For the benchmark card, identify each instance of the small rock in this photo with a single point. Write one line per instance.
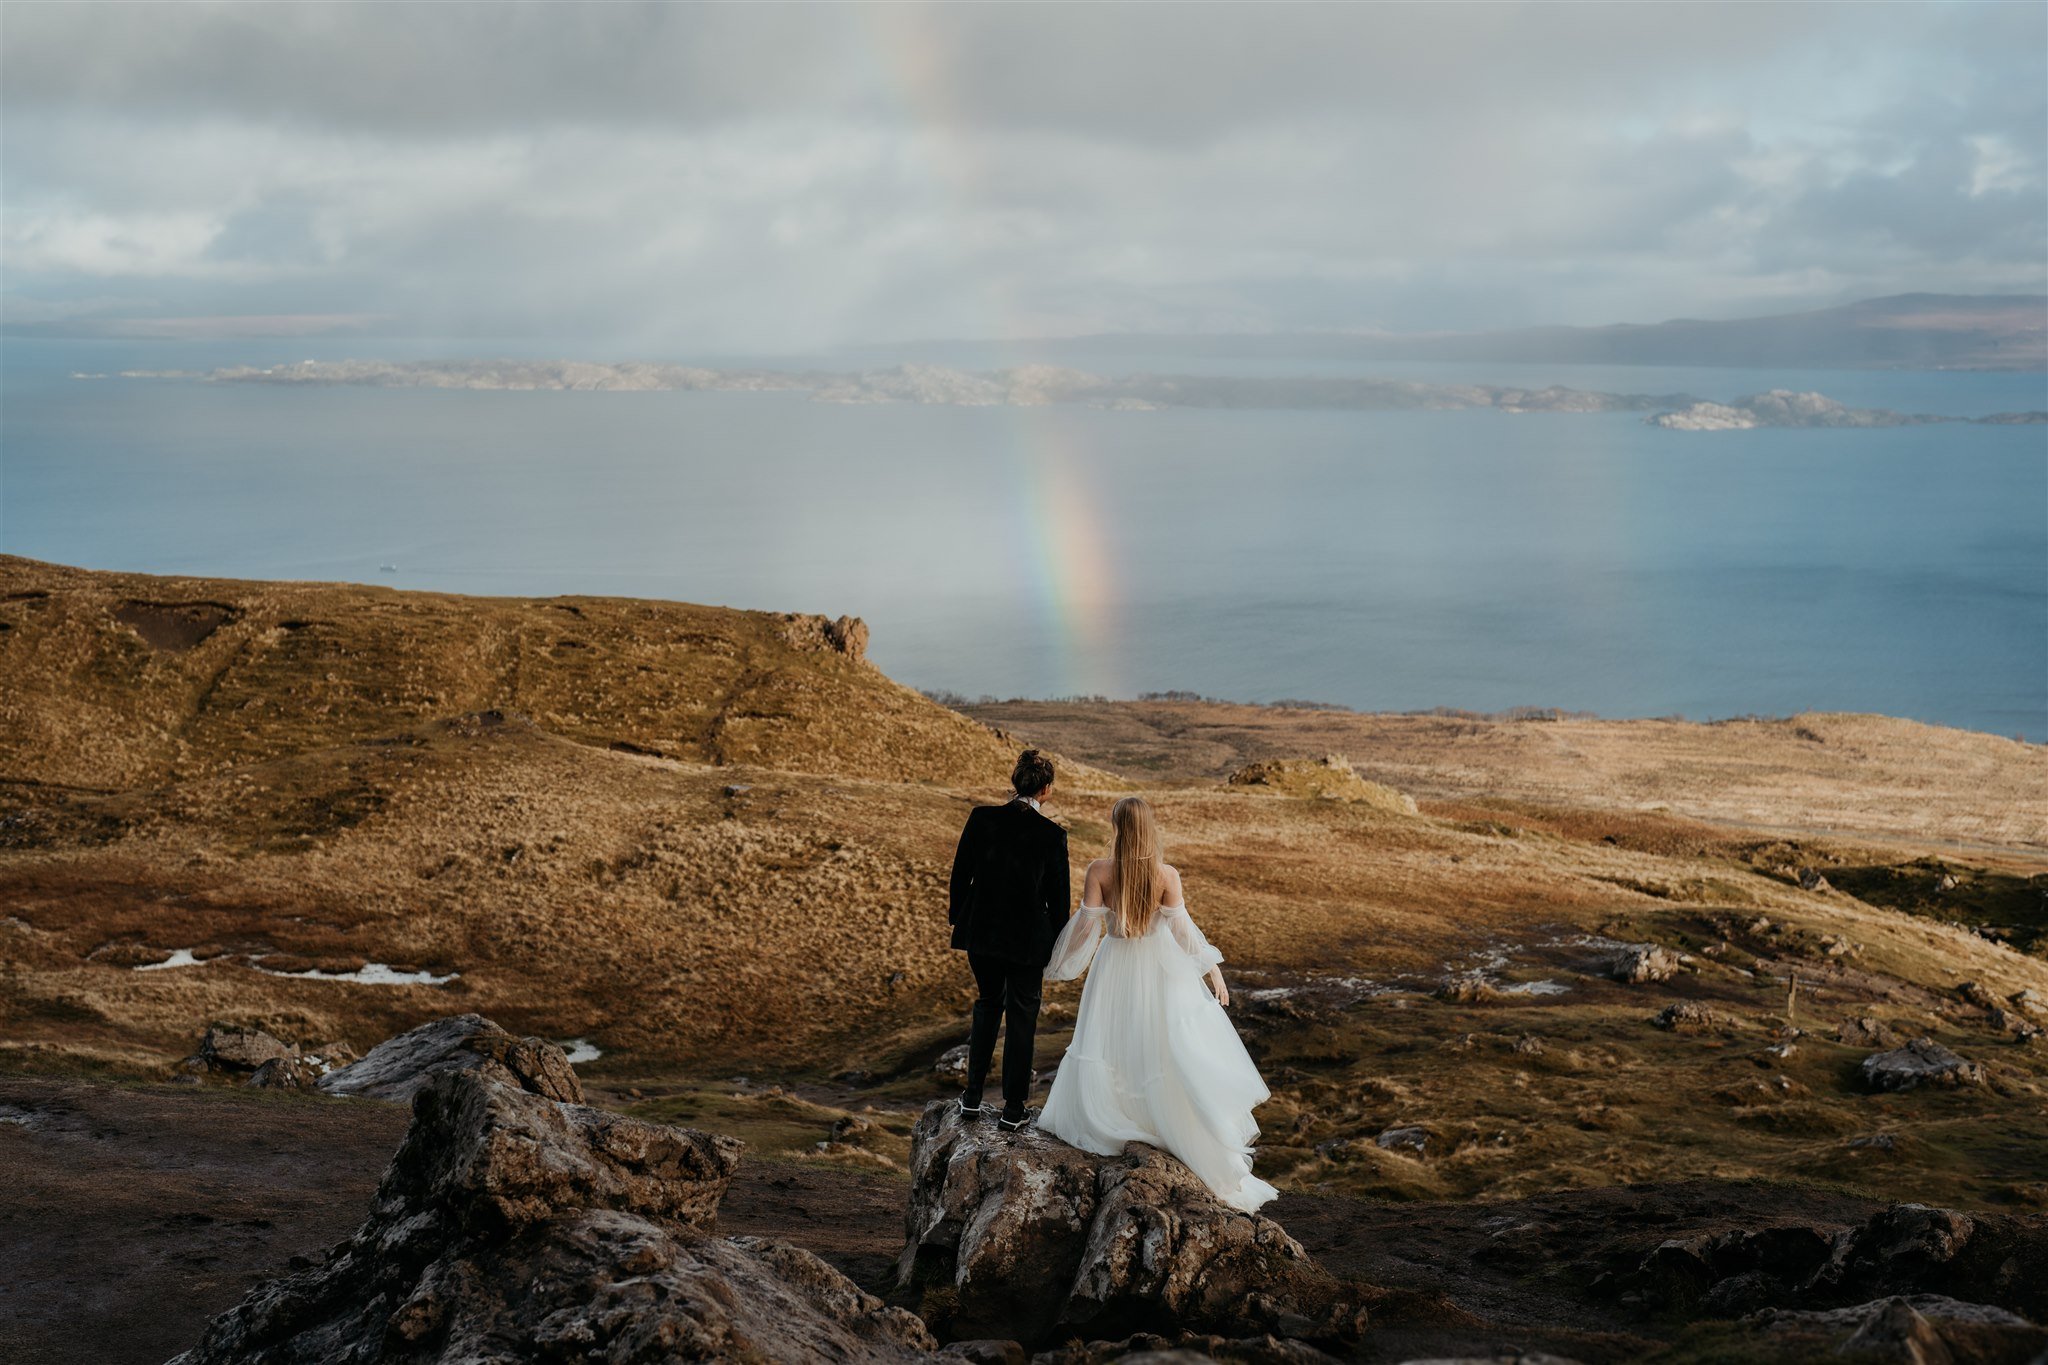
(227, 1047)
(1684, 1016)
(1920, 1062)
(1810, 879)
(287, 1073)
(1946, 883)
(738, 789)
(1864, 1031)
(1877, 1142)
(2030, 1002)
(1411, 1139)
(1639, 963)
(1896, 1331)
(852, 1128)
(1529, 1045)
(2022, 1029)
(987, 1351)
(951, 1067)
(1973, 993)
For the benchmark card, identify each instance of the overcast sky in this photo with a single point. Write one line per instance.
(684, 180)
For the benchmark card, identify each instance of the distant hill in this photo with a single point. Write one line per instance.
(110, 680)
(1903, 331)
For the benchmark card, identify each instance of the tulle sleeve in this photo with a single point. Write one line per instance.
(1075, 948)
(1189, 936)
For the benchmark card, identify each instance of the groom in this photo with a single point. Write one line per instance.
(1009, 901)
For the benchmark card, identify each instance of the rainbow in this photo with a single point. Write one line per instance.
(1068, 555)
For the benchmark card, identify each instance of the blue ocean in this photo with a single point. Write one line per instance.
(1378, 560)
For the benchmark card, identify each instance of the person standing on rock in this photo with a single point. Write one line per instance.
(1154, 1058)
(1008, 903)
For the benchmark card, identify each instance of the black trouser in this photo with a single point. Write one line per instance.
(1009, 993)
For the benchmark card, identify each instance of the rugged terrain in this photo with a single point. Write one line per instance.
(709, 848)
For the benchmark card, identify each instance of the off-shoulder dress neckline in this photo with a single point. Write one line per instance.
(1086, 906)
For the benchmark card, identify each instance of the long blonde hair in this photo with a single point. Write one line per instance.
(1139, 873)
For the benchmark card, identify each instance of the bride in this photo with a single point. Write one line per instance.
(1154, 1058)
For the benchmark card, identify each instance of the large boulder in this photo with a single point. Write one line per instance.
(1021, 1236)
(1920, 1062)
(398, 1068)
(510, 1227)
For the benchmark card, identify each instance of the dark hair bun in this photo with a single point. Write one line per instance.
(1033, 773)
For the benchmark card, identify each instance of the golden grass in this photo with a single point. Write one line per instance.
(776, 907)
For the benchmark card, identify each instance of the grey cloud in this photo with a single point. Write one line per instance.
(686, 178)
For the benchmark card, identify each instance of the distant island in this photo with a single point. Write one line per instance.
(1041, 385)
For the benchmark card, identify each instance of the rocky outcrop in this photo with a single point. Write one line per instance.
(398, 1068)
(512, 1227)
(241, 1052)
(846, 635)
(1906, 1249)
(1020, 1236)
(1920, 1062)
(1329, 778)
(1921, 1329)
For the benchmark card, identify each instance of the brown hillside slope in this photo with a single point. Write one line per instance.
(112, 680)
(778, 912)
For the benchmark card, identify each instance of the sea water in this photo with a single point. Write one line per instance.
(1380, 560)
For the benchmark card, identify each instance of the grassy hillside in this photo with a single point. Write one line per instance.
(113, 680)
(715, 844)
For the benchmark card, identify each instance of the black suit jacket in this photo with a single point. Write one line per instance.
(1010, 884)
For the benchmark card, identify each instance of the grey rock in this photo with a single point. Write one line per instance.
(987, 1351)
(510, 1227)
(1409, 1139)
(1810, 879)
(1920, 1062)
(1188, 1348)
(1021, 1236)
(1684, 1016)
(1865, 1031)
(227, 1047)
(287, 1073)
(951, 1067)
(1637, 963)
(398, 1068)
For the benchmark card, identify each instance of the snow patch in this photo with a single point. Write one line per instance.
(369, 974)
(181, 957)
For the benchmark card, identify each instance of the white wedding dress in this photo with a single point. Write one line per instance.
(1154, 1057)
